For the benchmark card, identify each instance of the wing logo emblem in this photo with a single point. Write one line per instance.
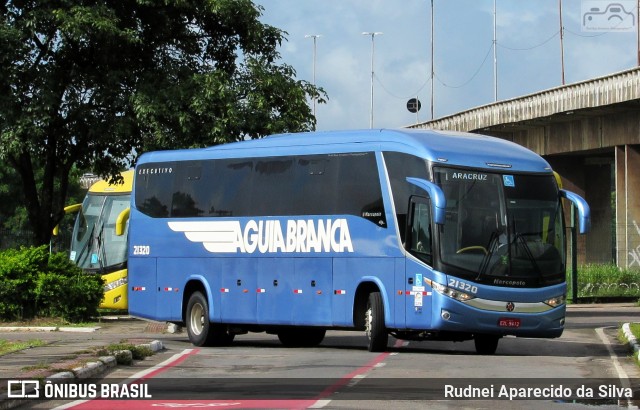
(216, 236)
(268, 236)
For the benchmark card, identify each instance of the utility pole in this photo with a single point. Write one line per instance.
(373, 34)
(495, 54)
(561, 41)
(314, 37)
(432, 65)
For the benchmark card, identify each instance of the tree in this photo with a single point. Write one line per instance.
(13, 214)
(93, 84)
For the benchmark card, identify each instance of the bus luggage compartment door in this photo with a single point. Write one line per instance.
(238, 290)
(274, 291)
(312, 293)
(142, 288)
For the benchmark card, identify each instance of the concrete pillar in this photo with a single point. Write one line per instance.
(632, 206)
(573, 173)
(621, 207)
(598, 243)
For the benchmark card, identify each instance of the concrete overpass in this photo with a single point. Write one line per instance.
(590, 133)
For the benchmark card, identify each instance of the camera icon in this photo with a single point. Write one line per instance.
(601, 15)
(23, 389)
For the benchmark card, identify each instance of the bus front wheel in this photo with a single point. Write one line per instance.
(202, 332)
(377, 336)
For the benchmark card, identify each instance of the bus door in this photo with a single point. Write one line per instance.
(418, 244)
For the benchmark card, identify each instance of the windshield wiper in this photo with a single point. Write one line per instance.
(527, 250)
(86, 246)
(493, 242)
(103, 255)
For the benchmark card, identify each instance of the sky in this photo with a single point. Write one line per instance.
(528, 51)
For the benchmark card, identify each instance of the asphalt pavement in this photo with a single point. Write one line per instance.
(79, 352)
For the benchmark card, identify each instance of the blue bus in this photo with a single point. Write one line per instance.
(417, 234)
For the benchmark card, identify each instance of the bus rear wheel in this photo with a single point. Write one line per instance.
(375, 330)
(301, 337)
(202, 332)
(486, 344)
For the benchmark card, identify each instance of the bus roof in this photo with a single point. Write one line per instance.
(451, 148)
(103, 186)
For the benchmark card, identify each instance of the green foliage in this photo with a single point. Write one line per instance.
(19, 270)
(93, 84)
(35, 283)
(139, 352)
(121, 351)
(607, 280)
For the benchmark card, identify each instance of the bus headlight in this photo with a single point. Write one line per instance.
(447, 291)
(112, 285)
(557, 301)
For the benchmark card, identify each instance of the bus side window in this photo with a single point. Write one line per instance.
(419, 240)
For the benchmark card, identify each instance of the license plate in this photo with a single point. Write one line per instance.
(509, 322)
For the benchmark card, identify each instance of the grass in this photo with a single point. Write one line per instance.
(8, 346)
(635, 330)
(606, 281)
(38, 366)
(138, 352)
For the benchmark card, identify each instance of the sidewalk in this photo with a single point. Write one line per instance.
(74, 351)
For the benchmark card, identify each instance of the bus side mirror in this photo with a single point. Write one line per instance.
(71, 209)
(121, 221)
(438, 201)
(584, 212)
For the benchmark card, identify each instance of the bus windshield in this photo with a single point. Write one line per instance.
(94, 244)
(502, 229)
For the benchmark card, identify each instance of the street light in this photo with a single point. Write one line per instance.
(372, 34)
(314, 37)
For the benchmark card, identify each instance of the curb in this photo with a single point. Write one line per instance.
(92, 369)
(626, 329)
(48, 329)
(88, 370)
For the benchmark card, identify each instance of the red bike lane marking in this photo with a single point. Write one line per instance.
(136, 378)
(319, 401)
(347, 378)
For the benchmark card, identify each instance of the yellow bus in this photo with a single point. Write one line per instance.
(100, 234)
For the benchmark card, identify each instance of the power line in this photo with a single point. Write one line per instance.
(531, 47)
(587, 35)
(474, 74)
(397, 96)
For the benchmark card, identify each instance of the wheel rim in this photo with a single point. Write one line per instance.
(196, 319)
